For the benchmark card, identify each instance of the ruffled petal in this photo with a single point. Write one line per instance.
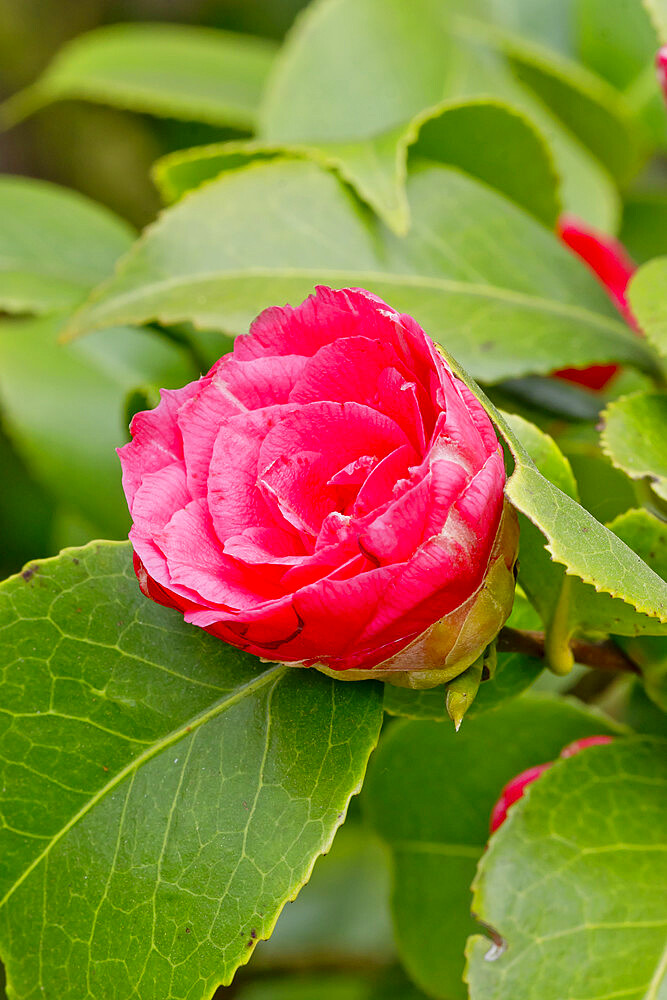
(260, 382)
(195, 560)
(156, 438)
(234, 499)
(319, 320)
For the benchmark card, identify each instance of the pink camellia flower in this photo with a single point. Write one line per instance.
(572, 749)
(328, 495)
(515, 788)
(661, 66)
(610, 263)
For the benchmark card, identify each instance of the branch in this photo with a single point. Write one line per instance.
(600, 656)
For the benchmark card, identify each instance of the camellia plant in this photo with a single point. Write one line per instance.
(392, 360)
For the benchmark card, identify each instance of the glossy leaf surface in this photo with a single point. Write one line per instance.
(192, 789)
(634, 438)
(429, 795)
(55, 245)
(589, 837)
(197, 74)
(50, 392)
(247, 241)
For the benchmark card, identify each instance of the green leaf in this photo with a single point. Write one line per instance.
(647, 535)
(648, 302)
(589, 107)
(480, 69)
(429, 795)
(484, 138)
(657, 10)
(350, 78)
(540, 21)
(644, 228)
(193, 789)
(603, 490)
(282, 227)
(353, 75)
(191, 73)
(618, 43)
(634, 437)
(589, 838)
(616, 591)
(55, 245)
(498, 145)
(64, 407)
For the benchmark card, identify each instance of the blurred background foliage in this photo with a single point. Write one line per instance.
(106, 154)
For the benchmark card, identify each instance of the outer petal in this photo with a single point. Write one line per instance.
(234, 499)
(319, 320)
(259, 382)
(156, 438)
(196, 561)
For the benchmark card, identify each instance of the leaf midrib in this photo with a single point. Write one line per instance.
(185, 729)
(521, 299)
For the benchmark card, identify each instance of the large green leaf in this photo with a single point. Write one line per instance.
(657, 10)
(575, 883)
(648, 301)
(498, 145)
(55, 245)
(63, 406)
(634, 437)
(163, 794)
(429, 795)
(350, 78)
(485, 138)
(647, 535)
(354, 74)
(590, 108)
(197, 74)
(644, 228)
(609, 571)
(268, 233)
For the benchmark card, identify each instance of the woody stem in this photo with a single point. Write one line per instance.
(599, 655)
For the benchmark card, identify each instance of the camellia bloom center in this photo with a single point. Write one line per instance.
(328, 495)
